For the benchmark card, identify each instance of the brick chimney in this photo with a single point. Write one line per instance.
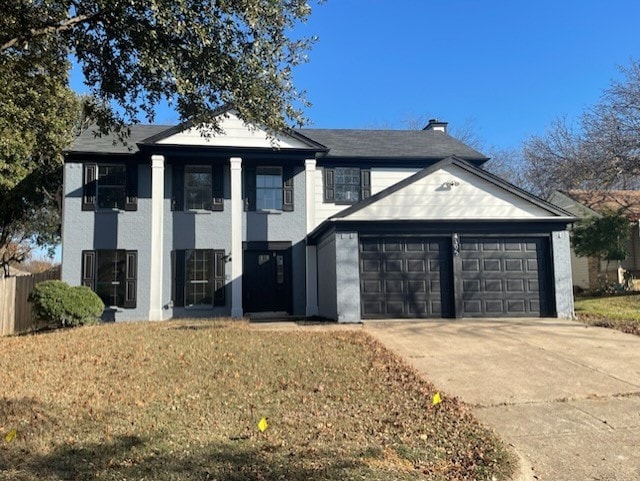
(436, 125)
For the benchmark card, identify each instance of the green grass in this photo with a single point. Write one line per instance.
(620, 312)
(181, 400)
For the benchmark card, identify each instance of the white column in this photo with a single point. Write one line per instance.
(312, 266)
(236, 236)
(157, 217)
(310, 181)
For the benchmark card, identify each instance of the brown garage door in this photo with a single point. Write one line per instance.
(406, 277)
(505, 277)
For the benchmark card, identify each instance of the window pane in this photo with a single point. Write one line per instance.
(197, 186)
(269, 188)
(199, 277)
(110, 285)
(111, 186)
(347, 184)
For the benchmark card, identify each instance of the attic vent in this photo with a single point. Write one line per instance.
(435, 124)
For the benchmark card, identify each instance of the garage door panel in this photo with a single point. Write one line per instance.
(416, 265)
(521, 288)
(471, 265)
(371, 287)
(411, 274)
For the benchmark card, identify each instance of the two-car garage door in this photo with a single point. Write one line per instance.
(480, 277)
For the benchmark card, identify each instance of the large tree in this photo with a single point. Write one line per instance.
(194, 54)
(600, 151)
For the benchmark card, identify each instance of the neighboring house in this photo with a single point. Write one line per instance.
(584, 203)
(344, 224)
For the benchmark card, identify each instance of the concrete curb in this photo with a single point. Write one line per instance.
(524, 471)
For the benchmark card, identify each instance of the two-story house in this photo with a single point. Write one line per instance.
(344, 224)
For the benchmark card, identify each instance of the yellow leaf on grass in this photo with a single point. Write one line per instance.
(436, 399)
(263, 425)
(11, 435)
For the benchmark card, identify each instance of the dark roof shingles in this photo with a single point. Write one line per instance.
(343, 143)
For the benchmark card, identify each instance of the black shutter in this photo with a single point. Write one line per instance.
(365, 183)
(131, 279)
(329, 185)
(131, 201)
(287, 188)
(218, 278)
(89, 269)
(217, 171)
(250, 188)
(89, 181)
(178, 278)
(177, 187)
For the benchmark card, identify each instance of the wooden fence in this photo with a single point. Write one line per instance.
(15, 308)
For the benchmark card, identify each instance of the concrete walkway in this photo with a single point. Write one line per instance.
(566, 396)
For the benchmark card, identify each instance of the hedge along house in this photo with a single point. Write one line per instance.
(345, 224)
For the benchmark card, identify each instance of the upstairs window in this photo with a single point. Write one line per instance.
(110, 186)
(197, 187)
(268, 188)
(346, 185)
(198, 182)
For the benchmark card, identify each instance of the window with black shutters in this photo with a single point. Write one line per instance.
(346, 185)
(198, 278)
(110, 186)
(112, 274)
(269, 188)
(197, 187)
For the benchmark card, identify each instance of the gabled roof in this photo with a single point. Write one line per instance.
(453, 160)
(427, 196)
(328, 143)
(600, 201)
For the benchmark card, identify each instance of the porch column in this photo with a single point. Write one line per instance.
(236, 236)
(312, 266)
(561, 253)
(157, 218)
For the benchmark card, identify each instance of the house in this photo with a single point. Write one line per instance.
(584, 203)
(344, 224)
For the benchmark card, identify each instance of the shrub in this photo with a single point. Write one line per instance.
(57, 302)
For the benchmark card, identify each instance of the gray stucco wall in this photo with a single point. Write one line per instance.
(326, 252)
(287, 227)
(181, 230)
(348, 276)
(194, 230)
(107, 230)
(561, 253)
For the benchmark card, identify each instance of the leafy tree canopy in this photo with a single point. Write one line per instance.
(604, 237)
(195, 54)
(600, 151)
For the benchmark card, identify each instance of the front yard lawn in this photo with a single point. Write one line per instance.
(182, 400)
(617, 312)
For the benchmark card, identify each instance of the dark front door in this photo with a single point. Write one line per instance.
(406, 277)
(266, 281)
(506, 277)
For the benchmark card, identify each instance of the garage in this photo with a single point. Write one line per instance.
(505, 277)
(406, 277)
(420, 277)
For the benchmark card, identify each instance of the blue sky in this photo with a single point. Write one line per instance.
(508, 67)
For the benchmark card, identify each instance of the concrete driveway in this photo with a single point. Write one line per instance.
(566, 396)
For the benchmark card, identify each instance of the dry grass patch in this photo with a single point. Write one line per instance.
(181, 400)
(616, 312)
